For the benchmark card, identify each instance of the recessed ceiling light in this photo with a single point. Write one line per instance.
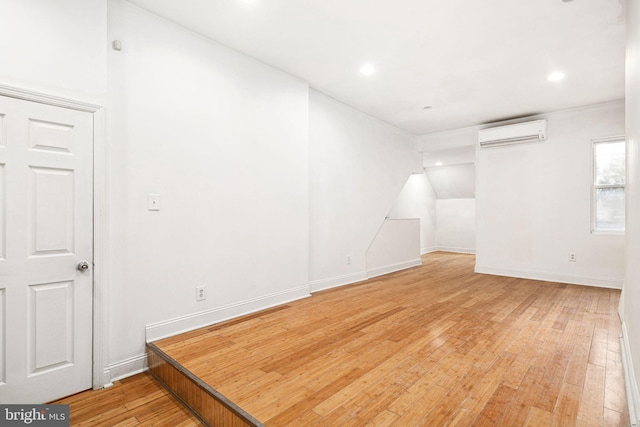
(554, 77)
(427, 107)
(439, 163)
(367, 69)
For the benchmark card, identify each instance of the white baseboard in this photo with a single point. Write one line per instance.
(429, 250)
(447, 249)
(633, 397)
(179, 325)
(137, 364)
(104, 380)
(125, 368)
(456, 249)
(603, 282)
(379, 271)
(334, 282)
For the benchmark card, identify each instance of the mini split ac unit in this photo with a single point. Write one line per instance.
(534, 131)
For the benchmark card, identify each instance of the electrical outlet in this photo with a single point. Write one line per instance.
(348, 259)
(201, 295)
(153, 202)
(572, 256)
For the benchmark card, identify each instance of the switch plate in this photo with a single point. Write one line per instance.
(153, 202)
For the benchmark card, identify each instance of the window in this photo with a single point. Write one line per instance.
(608, 184)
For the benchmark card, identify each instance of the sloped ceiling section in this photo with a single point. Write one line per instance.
(449, 156)
(453, 182)
(452, 172)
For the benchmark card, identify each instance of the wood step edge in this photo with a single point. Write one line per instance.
(206, 403)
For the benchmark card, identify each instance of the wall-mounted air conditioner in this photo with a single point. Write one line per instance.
(534, 131)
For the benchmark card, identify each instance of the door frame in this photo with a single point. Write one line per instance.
(100, 378)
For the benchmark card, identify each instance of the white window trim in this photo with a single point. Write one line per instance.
(595, 187)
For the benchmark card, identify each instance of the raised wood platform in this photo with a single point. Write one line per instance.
(433, 345)
(204, 402)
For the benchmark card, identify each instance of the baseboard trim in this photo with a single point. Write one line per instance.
(631, 386)
(453, 249)
(380, 271)
(182, 324)
(125, 368)
(428, 250)
(602, 282)
(456, 249)
(334, 282)
(103, 379)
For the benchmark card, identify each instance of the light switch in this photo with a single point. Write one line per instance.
(153, 202)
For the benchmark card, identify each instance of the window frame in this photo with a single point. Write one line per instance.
(595, 187)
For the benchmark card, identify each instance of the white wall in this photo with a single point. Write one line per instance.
(445, 224)
(454, 184)
(417, 200)
(448, 145)
(456, 225)
(630, 304)
(453, 181)
(224, 140)
(55, 47)
(448, 156)
(533, 204)
(358, 166)
(395, 247)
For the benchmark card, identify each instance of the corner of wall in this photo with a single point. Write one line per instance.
(456, 249)
(631, 386)
(124, 368)
(428, 250)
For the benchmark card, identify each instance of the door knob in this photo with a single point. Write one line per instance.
(83, 266)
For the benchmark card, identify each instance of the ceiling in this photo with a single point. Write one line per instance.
(472, 61)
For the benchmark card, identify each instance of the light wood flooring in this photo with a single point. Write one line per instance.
(133, 401)
(434, 345)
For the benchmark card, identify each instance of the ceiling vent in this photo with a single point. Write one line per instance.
(534, 131)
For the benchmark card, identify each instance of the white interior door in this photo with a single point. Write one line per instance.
(46, 229)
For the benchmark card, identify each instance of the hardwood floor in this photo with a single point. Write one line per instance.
(133, 401)
(434, 345)
(209, 405)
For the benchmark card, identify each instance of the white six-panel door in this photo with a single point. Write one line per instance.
(46, 221)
